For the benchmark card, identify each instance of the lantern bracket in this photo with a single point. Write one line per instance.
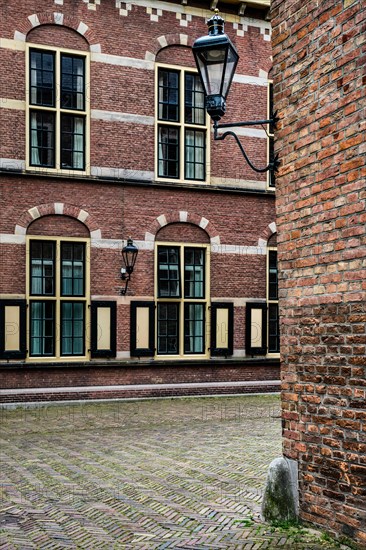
(273, 163)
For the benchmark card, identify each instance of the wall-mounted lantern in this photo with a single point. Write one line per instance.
(129, 255)
(216, 59)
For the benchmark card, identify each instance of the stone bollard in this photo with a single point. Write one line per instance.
(281, 499)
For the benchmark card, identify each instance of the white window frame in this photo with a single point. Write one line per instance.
(182, 300)
(57, 109)
(57, 298)
(182, 126)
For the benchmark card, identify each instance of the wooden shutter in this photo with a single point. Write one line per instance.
(142, 343)
(256, 328)
(222, 328)
(103, 329)
(13, 329)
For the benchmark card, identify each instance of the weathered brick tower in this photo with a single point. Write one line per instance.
(319, 90)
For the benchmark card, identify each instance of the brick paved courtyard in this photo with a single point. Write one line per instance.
(173, 473)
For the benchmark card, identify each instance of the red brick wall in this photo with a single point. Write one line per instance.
(116, 209)
(319, 91)
(58, 226)
(108, 375)
(114, 144)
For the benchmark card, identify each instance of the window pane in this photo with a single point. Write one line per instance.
(168, 329)
(72, 269)
(168, 107)
(273, 329)
(72, 82)
(194, 328)
(42, 82)
(271, 156)
(42, 328)
(42, 268)
(72, 142)
(42, 138)
(195, 155)
(168, 272)
(272, 275)
(194, 273)
(194, 105)
(72, 328)
(168, 152)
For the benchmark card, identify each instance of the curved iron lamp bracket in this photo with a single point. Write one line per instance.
(273, 164)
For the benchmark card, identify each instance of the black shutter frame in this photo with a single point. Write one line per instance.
(222, 352)
(94, 351)
(134, 350)
(249, 349)
(22, 352)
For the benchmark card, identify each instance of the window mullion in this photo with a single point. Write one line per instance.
(58, 116)
(182, 155)
(58, 299)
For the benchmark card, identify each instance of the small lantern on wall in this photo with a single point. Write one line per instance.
(129, 255)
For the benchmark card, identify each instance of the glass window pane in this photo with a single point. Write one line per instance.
(42, 78)
(273, 329)
(42, 139)
(195, 154)
(72, 82)
(168, 329)
(42, 274)
(168, 146)
(194, 328)
(168, 95)
(72, 142)
(194, 272)
(194, 106)
(272, 275)
(72, 328)
(72, 269)
(42, 328)
(168, 272)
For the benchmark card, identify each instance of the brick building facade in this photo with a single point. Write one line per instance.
(319, 90)
(103, 138)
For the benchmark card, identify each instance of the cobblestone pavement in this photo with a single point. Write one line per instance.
(173, 473)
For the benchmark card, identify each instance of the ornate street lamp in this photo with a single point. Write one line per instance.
(216, 59)
(129, 255)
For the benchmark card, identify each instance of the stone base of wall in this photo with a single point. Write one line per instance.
(113, 380)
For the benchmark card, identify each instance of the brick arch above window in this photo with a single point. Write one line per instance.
(183, 217)
(270, 230)
(182, 232)
(166, 40)
(58, 226)
(59, 19)
(61, 209)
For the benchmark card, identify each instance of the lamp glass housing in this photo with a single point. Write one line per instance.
(129, 255)
(216, 67)
(216, 59)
